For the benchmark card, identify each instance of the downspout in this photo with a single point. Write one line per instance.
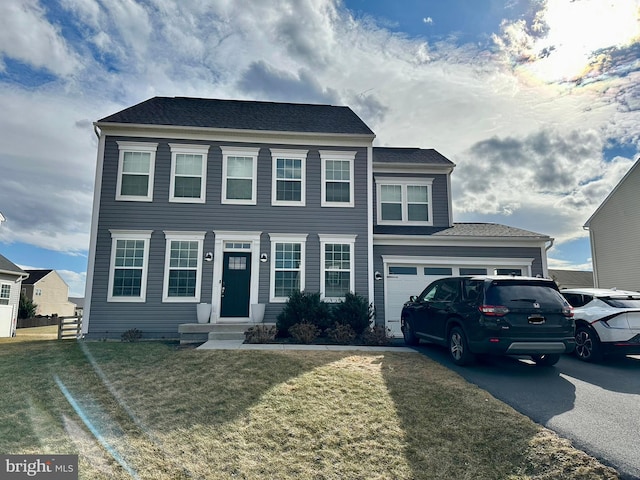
(545, 268)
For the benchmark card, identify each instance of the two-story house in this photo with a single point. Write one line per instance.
(50, 293)
(235, 203)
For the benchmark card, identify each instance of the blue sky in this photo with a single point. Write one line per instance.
(537, 102)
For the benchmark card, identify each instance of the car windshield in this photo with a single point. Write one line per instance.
(626, 302)
(503, 294)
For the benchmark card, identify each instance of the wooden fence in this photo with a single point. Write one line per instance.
(69, 327)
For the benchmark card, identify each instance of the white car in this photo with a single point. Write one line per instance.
(607, 322)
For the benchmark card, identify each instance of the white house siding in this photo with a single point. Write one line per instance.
(14, 295)
(615, 232)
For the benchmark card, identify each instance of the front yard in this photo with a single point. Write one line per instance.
(153, 410)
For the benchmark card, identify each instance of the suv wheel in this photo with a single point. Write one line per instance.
(458, 348)
(546, 360)
(587, 345)
(409, 335)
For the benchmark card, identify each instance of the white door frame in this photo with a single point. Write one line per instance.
(221, 238)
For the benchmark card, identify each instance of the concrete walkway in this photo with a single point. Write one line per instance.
(238, 345)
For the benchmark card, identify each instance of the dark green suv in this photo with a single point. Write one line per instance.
(492, 315)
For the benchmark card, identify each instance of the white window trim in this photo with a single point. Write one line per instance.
(331, 239)
(286, 238)
(239, 152)
(337, 155)
(116, 235)
(8, 297)
(186, 237)
(178, 148)
(150, 148)
(289, 154)
(404, 183)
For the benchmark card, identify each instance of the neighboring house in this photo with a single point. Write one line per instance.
(11, 278)
(614, 231)
(235, 203)
(78, 302)
(572, 278)
(49, 292)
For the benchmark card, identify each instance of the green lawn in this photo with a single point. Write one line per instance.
(153, 410)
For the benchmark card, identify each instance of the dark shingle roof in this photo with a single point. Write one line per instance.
(572, 278)
(409, 155)
(486, 230)
(7, 265)
(242, 115)
(36, 276)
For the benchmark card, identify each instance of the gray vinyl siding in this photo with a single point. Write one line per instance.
(439, 199)
(443, 251)
(157, 319)
(615, 232)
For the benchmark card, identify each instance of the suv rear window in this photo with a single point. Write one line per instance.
(633, 302)
(508, 293)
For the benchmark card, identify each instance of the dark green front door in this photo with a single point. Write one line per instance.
(236, 284)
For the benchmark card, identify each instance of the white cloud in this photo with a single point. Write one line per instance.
(27, 36)
(427, 20)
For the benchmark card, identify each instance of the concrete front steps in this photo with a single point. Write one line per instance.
(201, 332)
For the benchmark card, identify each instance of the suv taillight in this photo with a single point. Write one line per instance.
(494, 310)
(567, 311)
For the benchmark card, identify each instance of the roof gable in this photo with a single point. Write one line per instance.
(7, 266)
(241, 115)
(35, 276)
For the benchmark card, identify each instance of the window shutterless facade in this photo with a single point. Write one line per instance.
(404, 201)
(183, 266)
(136, 166)
(337, 266)
(129, 264)
(337, 178)
(287, 265)
(239, 175)
(5, 293)
(288, 177)
(188, 173)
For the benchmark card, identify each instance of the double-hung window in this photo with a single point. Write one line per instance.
(337, 178)
(128, 267)
(288, 183)
(183, 266)
(188, 173)
(337, 265)
(287, 265)
(239, 175)
(404, 201)
(136, 165)
(5, 293)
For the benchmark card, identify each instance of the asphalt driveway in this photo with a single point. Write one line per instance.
(597, 407)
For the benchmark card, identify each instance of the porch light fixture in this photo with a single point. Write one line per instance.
(377, 276)
(208, 256)
(263, 257)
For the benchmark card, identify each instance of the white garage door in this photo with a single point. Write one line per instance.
(403, 281)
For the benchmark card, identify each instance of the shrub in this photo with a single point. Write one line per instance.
(304, 332)
(260, 334)
(376, 335)
(26, 307)
(131, 335)
(342, 334)
(355, 311)
(304, 307)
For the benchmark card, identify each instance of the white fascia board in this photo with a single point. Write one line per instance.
(235, 135)
(411, 168)
(431, 241)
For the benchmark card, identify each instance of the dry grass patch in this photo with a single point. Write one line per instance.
(165, 413)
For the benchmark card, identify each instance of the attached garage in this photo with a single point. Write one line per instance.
(406, 276)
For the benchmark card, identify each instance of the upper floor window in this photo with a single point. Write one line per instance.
(5, 293)
(37, 292)
(183, 266)
(404, 201)
(136, 165)
(289, 177)
(128, 267)
(239, 175)
(287, 266)
(337, 265)
(337, 178)
(188, 173)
